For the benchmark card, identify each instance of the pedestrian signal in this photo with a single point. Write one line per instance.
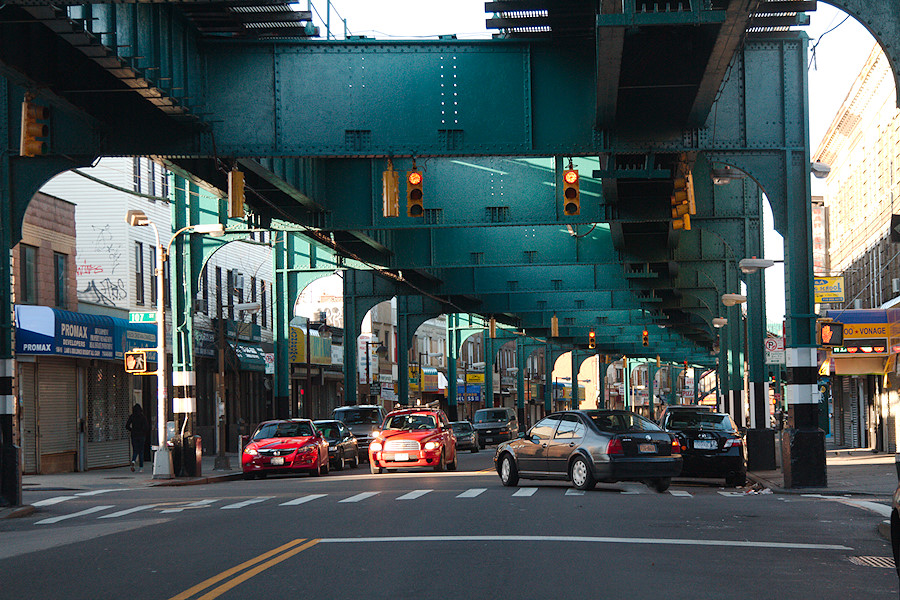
(30, 142)
(414, 205)
(136, 362)
(571, 193)
(830, 333)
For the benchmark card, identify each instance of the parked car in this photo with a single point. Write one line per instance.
(495, 425)
(364, 420)
(342, 446)
(587, 446)
(414, 437)
(285, 446)
(711, 445)
(466, 436)
(666, 409)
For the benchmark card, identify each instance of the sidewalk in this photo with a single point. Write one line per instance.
(118, 478)
(856, 472)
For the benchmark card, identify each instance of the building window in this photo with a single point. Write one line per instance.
(219, 291)
(60, 276)
(230, 290)
(165, 184)
(262, 303)
(254, 318)
(204, 308)
(153, 279)
(136, 173)
(139, 273)
(28, 273)
(167, 297)
(151, 178)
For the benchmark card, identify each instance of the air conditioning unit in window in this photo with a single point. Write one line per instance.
(237, 281)
(895, 285)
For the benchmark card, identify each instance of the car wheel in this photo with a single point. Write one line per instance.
(581, 474)
(355, 462)
(480, 446)
(739, 480)
(895, 539)
(509, 473)
(375, 470)
(339, 465)
(326, 467)
(442, 464)
(262, 475)
(661, 484)
(452, 466)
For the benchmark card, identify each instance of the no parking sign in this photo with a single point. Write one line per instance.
(774, 350)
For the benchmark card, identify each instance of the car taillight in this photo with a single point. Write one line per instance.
(615, 447)
(732, 442)
(676, 446)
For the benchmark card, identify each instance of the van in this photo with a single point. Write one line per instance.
(495, 425)
(363, 420)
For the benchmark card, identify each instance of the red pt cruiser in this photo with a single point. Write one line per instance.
(414, 437)
(285, 446)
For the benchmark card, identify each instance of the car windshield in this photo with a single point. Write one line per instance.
(461, 427)
(276, 430)
(622, 421)
(698, 420)
(490, 416)
(359, 416)
(331, 431)
(411, 421)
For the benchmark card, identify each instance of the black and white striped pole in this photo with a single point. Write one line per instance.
(10, 475)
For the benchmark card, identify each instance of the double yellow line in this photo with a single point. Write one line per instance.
(271, 558)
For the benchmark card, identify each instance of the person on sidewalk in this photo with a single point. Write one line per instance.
(138, 425)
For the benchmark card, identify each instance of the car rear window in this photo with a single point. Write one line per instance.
(622, 421)
(358, 416)
(274, 430)
(411, 421)
(491, 416)
(698, 420)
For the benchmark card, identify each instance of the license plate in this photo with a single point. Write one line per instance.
(401, 457)
(646, 448)
(705, 444)
(277, 460)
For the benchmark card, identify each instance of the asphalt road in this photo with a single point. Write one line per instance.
(441, 535)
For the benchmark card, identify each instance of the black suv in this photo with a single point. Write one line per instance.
(362, 420)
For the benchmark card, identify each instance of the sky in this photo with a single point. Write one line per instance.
(838, 49)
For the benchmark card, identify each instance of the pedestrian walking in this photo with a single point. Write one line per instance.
(138, 425)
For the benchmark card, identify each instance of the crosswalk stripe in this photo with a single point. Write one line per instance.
(472, 493)
(681, 493)
(52, 501)
(359, 497)
(571, 492)
(526, 491)
(303, 500)
(127, 511)
(197, 504)
(246, 502)
(95, 492)
(82, 513)
(413, 495)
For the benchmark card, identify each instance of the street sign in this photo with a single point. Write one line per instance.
(774, 347)
(142, 317)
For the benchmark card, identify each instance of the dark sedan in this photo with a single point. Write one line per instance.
(466, 436)
(342, 446)
(711, 444)
(587, 446)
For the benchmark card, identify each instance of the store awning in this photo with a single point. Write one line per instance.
(250, 357)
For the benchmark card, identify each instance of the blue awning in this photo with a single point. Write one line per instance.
(51, 331)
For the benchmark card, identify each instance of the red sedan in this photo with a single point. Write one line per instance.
(285, 446)
(414, 437)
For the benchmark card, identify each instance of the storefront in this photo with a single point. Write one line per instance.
(75, 396)
(314, 385)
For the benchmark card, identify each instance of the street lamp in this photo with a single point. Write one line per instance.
(324, 334)
(752, 265)
(380, 351)
(137, 218)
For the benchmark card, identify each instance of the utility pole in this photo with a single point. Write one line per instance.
(222, 463)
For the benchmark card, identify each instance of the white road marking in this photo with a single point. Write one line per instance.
(594, 540)
(360, 497)
(52, 501)
(681, 493)
(246, 502)
(197, 504)
(303, 500)
(472, 493)
(95, 492)
(876, 507)
(82, 513)
(571, 492)
(733, 494)
(630, 492)
(413, 495)
(527, 491)
(127, 511)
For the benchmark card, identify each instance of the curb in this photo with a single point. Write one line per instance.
(811, 490)
(19, 511)
(199, 480)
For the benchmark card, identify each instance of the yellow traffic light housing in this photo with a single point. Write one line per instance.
(571, 193)
(390, 191)
(414, 204)
(235, 194)
(683, 203)
(645, 338)
(592, 339)
(30, 142)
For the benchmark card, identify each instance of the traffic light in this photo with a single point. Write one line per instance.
(645, 338)
(830, 333)
(136, 362)
(571, 193)
(32, 130)
(414, 206)
(683, 204)
(592, 339)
